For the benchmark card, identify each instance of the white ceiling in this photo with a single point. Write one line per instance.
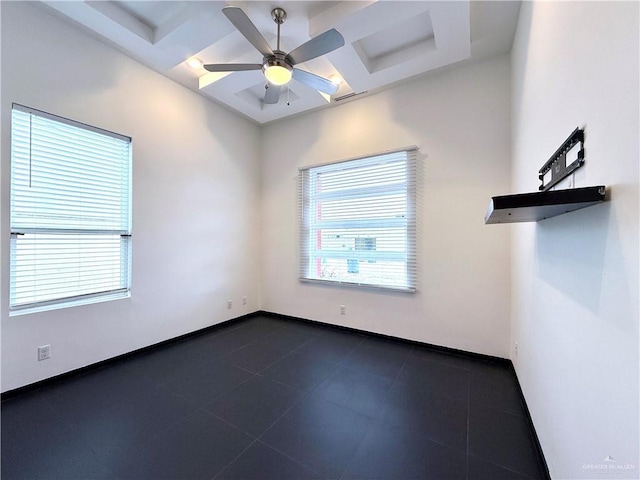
(385, 42)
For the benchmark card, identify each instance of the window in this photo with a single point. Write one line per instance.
(358, 221)
(70, 212)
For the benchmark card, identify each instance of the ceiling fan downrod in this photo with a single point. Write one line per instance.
(279, 16)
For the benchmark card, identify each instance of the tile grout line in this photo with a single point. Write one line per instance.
(289, 457)
(234, 459)
(257, 439)
(370, 427)
(257, 341)
(426, 437)
(303, 397)
(503, 467)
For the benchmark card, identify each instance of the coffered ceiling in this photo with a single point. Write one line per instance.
(385, 42)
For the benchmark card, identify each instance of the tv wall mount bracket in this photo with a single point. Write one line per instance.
(547, 203)
(556, 168)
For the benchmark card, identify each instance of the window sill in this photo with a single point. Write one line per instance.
(366, 286)
(69, 303)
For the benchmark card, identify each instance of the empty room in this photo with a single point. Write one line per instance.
(376, 240)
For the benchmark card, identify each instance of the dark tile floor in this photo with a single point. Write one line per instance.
(267, 398)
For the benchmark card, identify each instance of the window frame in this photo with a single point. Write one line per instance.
(306, 206)
(22, 229)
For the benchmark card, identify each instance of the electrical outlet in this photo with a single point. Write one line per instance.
(43, 352)
(343, 309)
(229, 304)
(244, 300)
(515, 349)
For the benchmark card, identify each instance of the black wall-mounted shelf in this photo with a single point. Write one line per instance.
(532, 207)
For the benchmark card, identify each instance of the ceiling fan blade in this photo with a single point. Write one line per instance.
(315, 82)
(232, 67)
(246, 27)
(272, 94)
(324, 43)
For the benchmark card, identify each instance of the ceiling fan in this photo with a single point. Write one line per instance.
(278, 66)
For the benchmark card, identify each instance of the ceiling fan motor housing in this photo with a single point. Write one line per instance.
(279, 59)
(274, 63)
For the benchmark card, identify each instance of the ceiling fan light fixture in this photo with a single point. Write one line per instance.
(277, 72)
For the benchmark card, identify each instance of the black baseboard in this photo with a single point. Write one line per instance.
(103, 363)
(106, 362)
(534, 435)
(451, 351)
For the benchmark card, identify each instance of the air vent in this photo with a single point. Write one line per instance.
(348, 95)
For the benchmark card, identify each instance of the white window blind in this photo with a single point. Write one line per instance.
(357, 221)
(70, 212)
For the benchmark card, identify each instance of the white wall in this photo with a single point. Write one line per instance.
(460, 121)
(575, 277)
(195, 191)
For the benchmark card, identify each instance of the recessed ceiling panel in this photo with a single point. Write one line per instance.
(386, 41)
(416, 31)
(398, 36)
(152, 14)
